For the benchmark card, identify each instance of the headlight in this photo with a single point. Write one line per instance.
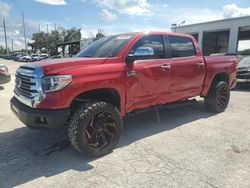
(55, 83)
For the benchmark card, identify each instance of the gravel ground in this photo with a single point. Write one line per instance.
(190, 147)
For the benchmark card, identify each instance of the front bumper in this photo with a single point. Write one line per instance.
(245, 76)
(4, 79)
(38, 118)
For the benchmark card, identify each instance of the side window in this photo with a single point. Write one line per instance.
(181, 46)
(147, 43)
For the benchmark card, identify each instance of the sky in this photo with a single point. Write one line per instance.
(112, 16)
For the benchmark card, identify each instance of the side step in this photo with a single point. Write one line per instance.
(165, 106)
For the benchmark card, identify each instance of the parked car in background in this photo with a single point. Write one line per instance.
(56, 57)
(13, 56)
(244, 69)
(43, 56)
(34, 57)
(4, 74)
(19, 58)
(26, 58)
(4, 56)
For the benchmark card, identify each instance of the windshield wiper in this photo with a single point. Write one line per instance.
(87, 56)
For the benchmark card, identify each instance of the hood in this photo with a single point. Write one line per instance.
(243, 66)
(244, 62)
(54, 66)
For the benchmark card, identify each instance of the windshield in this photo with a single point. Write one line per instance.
(245, 61)
(106, 47)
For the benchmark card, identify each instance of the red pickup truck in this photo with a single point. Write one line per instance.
(114, 76)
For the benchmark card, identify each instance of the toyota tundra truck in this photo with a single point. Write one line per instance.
(115, 76)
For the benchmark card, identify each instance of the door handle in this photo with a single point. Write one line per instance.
(200, 64)
(131, 73)
(166, 67)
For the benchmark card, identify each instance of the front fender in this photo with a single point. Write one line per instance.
(87, 79)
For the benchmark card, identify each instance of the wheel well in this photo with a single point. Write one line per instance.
(221, 77)
(106, 94)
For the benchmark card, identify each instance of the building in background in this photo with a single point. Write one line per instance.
(69, 49)
(85, 42)
(222, 36)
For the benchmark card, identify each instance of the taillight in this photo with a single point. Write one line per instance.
(3, 70)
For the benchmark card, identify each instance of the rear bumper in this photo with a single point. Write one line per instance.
(4, 79)
(38, 118)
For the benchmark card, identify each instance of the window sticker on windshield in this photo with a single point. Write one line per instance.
(123, 37)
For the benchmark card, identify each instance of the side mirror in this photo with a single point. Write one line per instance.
(144, 51)
(140, 53)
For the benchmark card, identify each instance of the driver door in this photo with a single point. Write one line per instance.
(147, 70)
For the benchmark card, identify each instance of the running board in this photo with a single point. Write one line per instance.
(165, 106)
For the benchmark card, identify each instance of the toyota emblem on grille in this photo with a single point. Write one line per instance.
(19, 82)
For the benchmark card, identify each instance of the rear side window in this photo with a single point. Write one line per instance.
(181, 46)
(153, 41)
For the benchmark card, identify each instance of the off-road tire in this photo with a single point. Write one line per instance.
(212, 103)
(80, 121)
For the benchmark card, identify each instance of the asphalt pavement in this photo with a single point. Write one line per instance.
(189, 147)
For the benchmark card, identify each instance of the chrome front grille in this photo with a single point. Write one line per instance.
(28, 89)
(26, 85)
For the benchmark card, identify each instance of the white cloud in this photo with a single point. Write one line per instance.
(130, 7)
(4, 10)
(14, 28)
(18, 43)
(88, 33)
(108, 16)
(52, 2)
(16, 33)
(243, 44)
(192, 16)
(167, 15)
(165, 5)
(232, 10)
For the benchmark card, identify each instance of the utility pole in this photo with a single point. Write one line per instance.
(12, 49)
(5, 36)
(24, 33)
(55, 26)
(47, 28)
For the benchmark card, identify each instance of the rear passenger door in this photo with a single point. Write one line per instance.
(187, 69)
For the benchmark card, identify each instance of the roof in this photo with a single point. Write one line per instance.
(216, 21)
(164, 33)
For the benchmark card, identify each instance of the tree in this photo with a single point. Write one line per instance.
(2, 50)
(99, 34)
(40, 41)
(69, 35)
(54, 37)
(244, 52)
(47, 42)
